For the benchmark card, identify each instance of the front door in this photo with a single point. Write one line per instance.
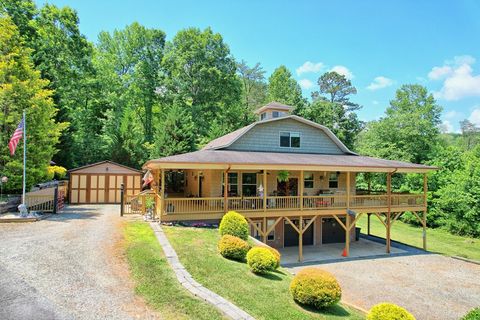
(288, 188)
(291, 235)
(332, 231)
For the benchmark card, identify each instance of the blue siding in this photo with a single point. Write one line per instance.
(266, 137)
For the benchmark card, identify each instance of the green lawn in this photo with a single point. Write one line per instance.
(264, 297)
(155, 280)
(438, 240)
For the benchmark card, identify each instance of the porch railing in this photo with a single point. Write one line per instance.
(138, 203)
(193, 205)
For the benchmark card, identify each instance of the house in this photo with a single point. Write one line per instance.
(292, 179)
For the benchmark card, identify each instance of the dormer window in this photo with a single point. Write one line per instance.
(289, 139)
(263, 116)
(275, 114)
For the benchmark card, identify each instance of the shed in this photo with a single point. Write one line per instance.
(101, 182)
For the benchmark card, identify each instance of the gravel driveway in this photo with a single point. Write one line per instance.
(68, 266)
(430, 286)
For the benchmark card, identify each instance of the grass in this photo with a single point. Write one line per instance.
(155, 280)
(264, 297)
(438, 240)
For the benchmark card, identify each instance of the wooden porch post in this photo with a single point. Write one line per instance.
(300, 240)
(162, 192)
(389, 208)
(225, 191)
(424, 222)
(264, 229)
(368, 223)
(347, 218)
(265, 190)
(154, 185)
(301, 190)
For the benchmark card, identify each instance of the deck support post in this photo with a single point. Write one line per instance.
(347, 218)
(162, 193)
(368, 223)
(389, 209)
(424, 222)
(225, 191)
(264, 230)
(301, 189)
(300, 240)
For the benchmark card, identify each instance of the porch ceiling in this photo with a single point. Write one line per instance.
(241, 160)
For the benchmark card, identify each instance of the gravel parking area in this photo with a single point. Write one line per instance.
(430, 286)
(68, 266)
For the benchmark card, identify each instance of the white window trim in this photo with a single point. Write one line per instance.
(290, 135)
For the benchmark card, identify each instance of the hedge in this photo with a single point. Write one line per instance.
(232, 247)
(234, 224)
(261, 260)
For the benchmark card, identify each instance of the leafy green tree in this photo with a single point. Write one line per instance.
(470, 134)
(336, 88)
(177, 134)
(201, 72)
(21, 88)
(409, 130)
(254, 86)
(22, 12)
(283, 88)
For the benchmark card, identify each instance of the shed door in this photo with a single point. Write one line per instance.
(97, 188)
(78, 193)
(114, 187)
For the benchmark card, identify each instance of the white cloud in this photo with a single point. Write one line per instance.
(438, 73)
(305, 83)
(375, 102)
(446, 126)
(380, 83)
(459, 80)
(343, 71)
(475, 117)
(310, 67)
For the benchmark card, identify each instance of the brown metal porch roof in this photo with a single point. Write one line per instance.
(224, 159)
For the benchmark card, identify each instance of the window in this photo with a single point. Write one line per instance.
(308, 180)
(249, 184)
(232, 184)
(333, 180)
(289, 139)
(275, 114)
(271, 235)
(263, 116)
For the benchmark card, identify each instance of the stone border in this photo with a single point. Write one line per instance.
(185, 278)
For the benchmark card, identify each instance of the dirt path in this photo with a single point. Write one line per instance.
(69, 266)
(430, 286)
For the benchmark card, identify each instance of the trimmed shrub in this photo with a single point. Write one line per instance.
(474, 314)
(232, 247)
(234, 224)
(316, 288)
(388, 311)
(261, 260)
(277, 256)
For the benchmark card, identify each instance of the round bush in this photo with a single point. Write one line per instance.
(388, 311)
(232, 247)
(261, 260)
(234, 224)
(277, 256)
(474, 314)
(316, 288)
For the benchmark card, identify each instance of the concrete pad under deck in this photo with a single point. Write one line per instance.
(332, 252)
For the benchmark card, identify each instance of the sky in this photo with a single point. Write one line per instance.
(378, 45)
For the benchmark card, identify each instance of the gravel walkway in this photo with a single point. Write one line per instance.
(430, 286)
(69, 266)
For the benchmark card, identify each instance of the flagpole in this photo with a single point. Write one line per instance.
(24, 156)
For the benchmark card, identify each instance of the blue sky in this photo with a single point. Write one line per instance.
(380, 45)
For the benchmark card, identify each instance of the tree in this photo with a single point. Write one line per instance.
(177, 134)
(200, 72)
(470, 133)
(21, 88)
(336, 88)
(22, 12)
(331, 107)
(284, 89)
(253, 84)
(409, 131)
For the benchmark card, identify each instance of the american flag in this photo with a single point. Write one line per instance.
(17, 135)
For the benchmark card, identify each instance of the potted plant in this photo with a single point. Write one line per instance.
(283, 175)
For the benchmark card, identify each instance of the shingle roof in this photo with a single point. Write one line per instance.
(289, 160)
(275, 105)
